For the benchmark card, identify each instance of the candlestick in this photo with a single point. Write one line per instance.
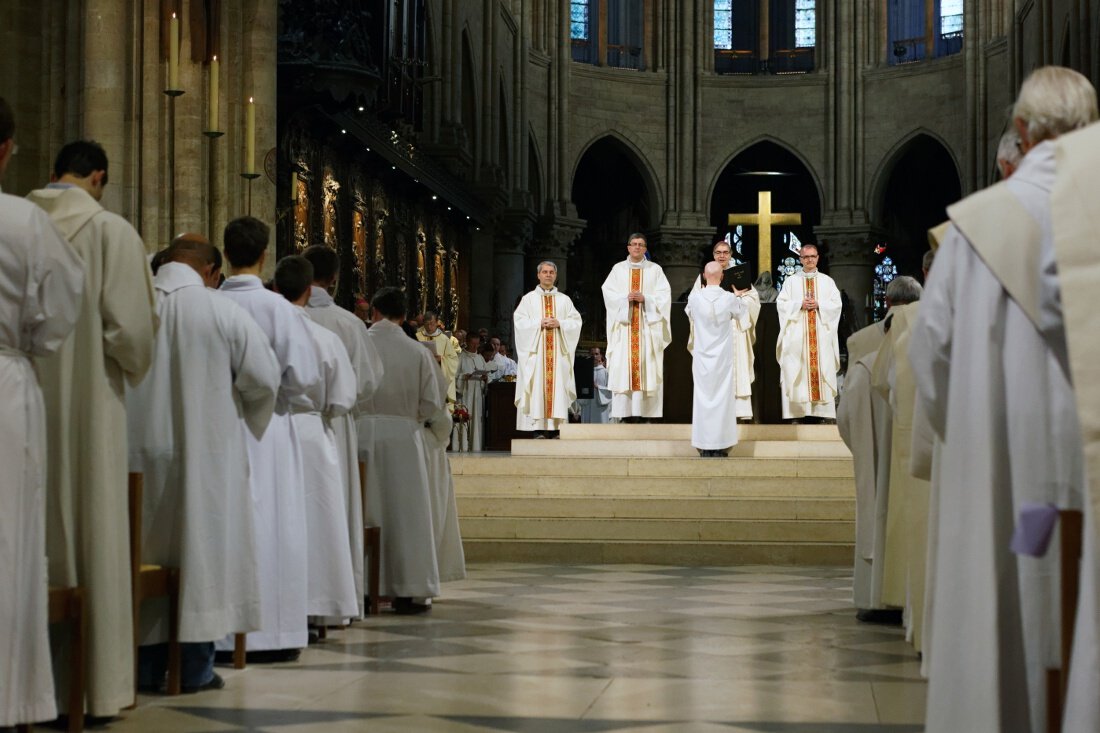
(294, 187)
(250, 138)
(174, 53)
(212, 102)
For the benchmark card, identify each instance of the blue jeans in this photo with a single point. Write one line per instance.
(196, 664)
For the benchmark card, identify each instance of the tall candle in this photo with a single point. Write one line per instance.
(250, 137)
(212, 124)
(294, 187)
(174, 53)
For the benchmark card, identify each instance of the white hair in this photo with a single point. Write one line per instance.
(546, 262)
(903, 289)
(1054, 100)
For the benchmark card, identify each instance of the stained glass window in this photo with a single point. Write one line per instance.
(951, 16)
(787, 267)
(885, 272)
(578, 19)
(805, 23)
(737, 239)
(723, 24)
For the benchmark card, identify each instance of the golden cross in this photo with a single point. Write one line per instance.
(765, 219)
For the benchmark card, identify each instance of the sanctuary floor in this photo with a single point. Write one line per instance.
(586, 649)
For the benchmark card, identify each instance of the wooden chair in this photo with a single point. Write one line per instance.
(372, 543)
(67, 605)
(153, 581)
(240, 650)
(1070, 525)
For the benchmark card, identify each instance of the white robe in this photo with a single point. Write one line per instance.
(87, 513)
(545, 386)
(864, 420)
(331, 578)
(744, 372)
(991, 372)
(794, 347)
(41, 283)
(450, 558)
(471, 436)
(598, 408)
(446, 346)
(637, 387)
(391, 443)
(505, 368)
(212, 368)
(712, 310)
(368, 373)
(277, 479)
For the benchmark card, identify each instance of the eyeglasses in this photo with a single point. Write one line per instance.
(807, 257)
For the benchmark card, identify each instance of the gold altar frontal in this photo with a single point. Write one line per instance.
(640, 494)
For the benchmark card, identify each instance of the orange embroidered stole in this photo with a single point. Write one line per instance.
(549, 359)
(635, 332)
(811, 341)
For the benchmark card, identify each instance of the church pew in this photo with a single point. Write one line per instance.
(152, 581)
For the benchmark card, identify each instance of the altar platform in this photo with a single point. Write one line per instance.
(640, 494)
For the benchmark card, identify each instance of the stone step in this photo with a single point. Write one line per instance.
(676, 487)
(655, 507)
(503, 464)
(679, 448)
(682, 431)
(659, 553)
(657, 530)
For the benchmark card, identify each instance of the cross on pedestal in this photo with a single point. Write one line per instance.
(765, 219)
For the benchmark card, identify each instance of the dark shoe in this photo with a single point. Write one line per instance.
(273, 656)
(539, 436)
(216, 683)
(405, 607)
(151, 689)
(885, 616)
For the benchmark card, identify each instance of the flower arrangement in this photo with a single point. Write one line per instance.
(461, 415)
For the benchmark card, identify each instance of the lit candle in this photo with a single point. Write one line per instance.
(212, 124)
(174, 53)
(294, 187)
(250, 138)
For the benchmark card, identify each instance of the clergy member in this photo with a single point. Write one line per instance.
(547, 328)
(212, 365)
(83, 384)
(36, 314)
(322, 309)
(446, 349)
(638, 301)
(1007, 415)
(744, 360)
(472, 374)
(391, 443)
(597, 409)
(278, 488)
(712, 310)
(807, 349)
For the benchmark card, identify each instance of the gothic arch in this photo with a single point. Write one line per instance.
(721, 168)
(637, 157)
(889, 162)
(470, 99)
(535, 179)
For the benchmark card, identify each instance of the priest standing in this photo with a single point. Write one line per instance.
(744, 360)
(87, 541)
(639, 302)
(807, 349)
(276, 477)
(211, 363)
(1007, 415)
(37, 312)
(446, 349)
(547, 328)
(714, 405)
(471, 377)
(348, 327)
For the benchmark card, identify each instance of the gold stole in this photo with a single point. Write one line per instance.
(635, 332)
(811, 338)
(550, 358)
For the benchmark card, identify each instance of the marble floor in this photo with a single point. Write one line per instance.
(585, 649)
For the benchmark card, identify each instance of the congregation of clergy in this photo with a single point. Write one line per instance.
(968, 410)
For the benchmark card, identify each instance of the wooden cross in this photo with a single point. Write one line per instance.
(765, 219)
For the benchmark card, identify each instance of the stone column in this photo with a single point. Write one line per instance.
(552, 240)
(851, 263)
(482, 278)
(512, 240)
(679, 251)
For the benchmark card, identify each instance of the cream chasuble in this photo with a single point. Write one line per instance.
(545, 387)
(637, 335)
(807, 349)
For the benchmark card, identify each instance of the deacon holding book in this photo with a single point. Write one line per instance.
(638, 300)
(547, 329)
(714, 408)
(807, 350)
(744, 360)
